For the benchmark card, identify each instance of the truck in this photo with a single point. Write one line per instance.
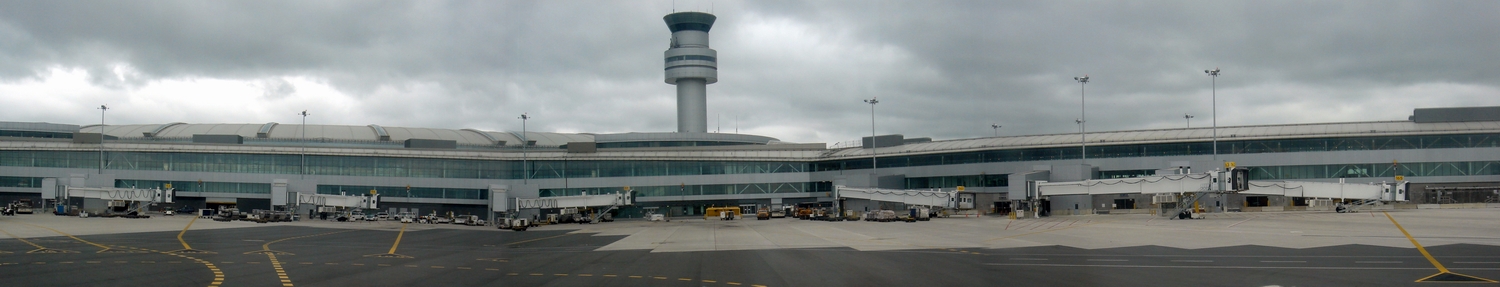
(473, 220)
(514, 224)
(22, 206)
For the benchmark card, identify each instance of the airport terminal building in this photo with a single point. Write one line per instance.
(1452, 155)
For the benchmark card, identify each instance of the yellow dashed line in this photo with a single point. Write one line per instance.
(709, 281)
(512, 274)
(437, 267)
(609, 275)
(659, 277)
(560, 274)
(585, 275)
(537, 274)
(465, 268)
(492, 269)
(733, 283)
(684, 279)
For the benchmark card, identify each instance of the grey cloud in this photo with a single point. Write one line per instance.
(944, 69)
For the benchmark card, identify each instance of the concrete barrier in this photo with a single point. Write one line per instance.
(1429, 206)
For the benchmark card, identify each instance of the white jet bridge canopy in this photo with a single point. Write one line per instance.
(349, 201)
(125, 194)
(1206, 182)
(614, 199)
(936, 198)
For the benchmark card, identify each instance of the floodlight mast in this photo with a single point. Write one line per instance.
(1215, 92)
(526, 174)
(874, 163)
(102, 109)
(1083, 116)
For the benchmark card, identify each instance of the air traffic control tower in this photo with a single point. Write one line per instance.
(691, 65)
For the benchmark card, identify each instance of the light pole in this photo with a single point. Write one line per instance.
(1189, 118)
(1083, 116)
(997, 129)
(102, 109)
(874, 163)
(1215, 74)
(525, 175)
(304, 143)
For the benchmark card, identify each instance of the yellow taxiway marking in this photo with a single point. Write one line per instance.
(709, 281)
(218, 274)
(1441, 270)
(609, 275)
(733, 283)
(398, 239)
(38, 247)
(185, 245)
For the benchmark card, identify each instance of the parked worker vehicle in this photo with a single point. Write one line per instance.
(723, 213)
(514, 224)
(473, 220)
(762, 214)
(22, 206)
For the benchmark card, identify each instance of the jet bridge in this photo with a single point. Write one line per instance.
(934, 198)
(609, 201)
(344, 201)
(1193, 187)
(132, 199)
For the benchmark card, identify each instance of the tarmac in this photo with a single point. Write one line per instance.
(1384, 248)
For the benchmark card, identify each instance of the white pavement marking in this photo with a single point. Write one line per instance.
(1199, 261)
(1034, 259)
(1274, 261)
(1377, 262)
(1109, 260)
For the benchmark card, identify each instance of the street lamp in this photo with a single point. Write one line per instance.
(1189, 118)
(1215, 74)
(997, 129)
(304, 143)
(102, 109)
(874, 163)
(525, 175)
(1083, 116)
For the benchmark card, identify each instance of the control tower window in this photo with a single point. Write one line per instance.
(692, 57)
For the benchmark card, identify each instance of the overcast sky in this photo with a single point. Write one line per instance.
(793, 70)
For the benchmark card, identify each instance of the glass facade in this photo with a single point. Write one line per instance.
(388, 166)
(1176, 149)
(1385, 170)
(1107, 174)
(402, 191)
(17, 181)
(667, 144)
(195, 186)
(32, 134)
(706, 189)
(978, 180)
